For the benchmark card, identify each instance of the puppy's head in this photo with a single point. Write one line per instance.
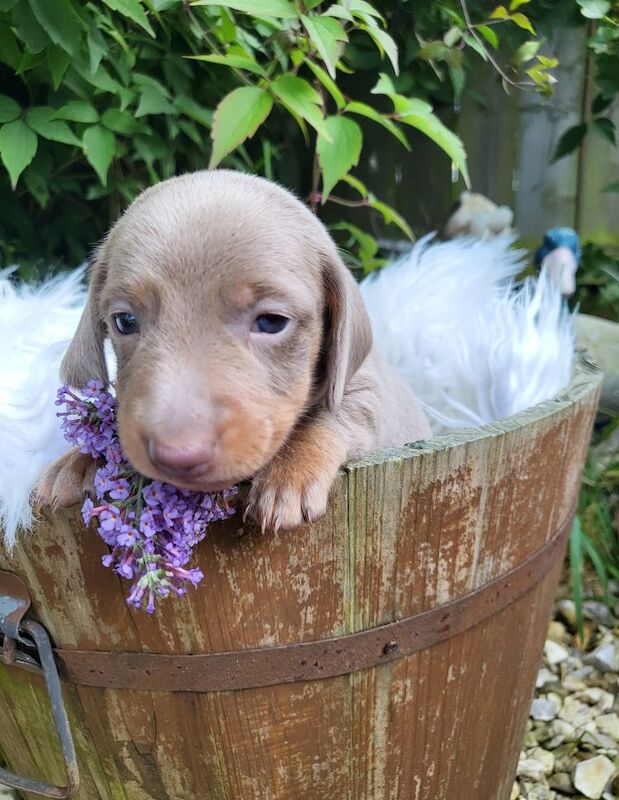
(231, 315)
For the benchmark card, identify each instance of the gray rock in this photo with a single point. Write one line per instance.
(604, 658)
(598, 612)
(591, 776)
(546, 707)
(555, 653)
(562, 782)
(530, 768)
(608, 724)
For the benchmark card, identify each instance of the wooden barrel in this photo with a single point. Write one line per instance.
(421, 601)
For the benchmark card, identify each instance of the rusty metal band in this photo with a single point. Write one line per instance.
(314, 660)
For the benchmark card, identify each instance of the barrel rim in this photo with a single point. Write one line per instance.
(586, 378)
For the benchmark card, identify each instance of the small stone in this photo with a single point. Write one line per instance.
(555, 653)
(545, 677)
(515, 791)
(546, 759)
(572, 683)
(604, 658)
(537, 791)
(591, 776)
(575, 711)
(546, 707)
(562, 782)
(566, 611)
(598, 612)
(608, 724)
(598, 741)
(557, 632)
(530, 768)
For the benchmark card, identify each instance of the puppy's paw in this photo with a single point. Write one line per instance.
(66, 481)
(280, 501)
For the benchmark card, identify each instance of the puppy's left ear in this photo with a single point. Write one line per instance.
(347, 336)
(85, 357)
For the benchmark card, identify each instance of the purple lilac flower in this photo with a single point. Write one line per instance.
(150, 527)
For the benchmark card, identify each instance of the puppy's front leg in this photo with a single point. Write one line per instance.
(65, 481)
(294, 487)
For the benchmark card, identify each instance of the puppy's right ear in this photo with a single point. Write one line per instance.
(85, 357)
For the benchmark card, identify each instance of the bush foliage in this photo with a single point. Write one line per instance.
(99, 99)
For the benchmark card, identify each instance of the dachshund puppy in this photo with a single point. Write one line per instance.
(243, 347)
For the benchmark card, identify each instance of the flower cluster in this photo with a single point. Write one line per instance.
(150, 527)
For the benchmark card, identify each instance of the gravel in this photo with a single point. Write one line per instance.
(571, 746)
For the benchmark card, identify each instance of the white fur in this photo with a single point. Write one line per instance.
(446, 314)
(474, 347)
(36, 325)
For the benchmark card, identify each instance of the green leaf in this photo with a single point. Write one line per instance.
(58, 61)
(606, 128)
(18, 146)
(39, 119)
(120, 122)
(37, 183)
(328, 36)
(385, 44)
(190, 130)
(371, 113)
(96, 48)
(600, 104)
(29, 29)
(7, 5)
(594, 9)
(152, 101)
(391, 216)
(280, 9)
(9, 109)
(233, 60)
(356, 184)
(453, 36)
(525, 52)
(194, 111)
(576, 570)
(489, 35)
(237, 117)
(133, 10)
(362, 7)
(517, 3)
(384, 86)
(523, 22)
(60, 22)
(500, 12)
(99, 147)
(339, 153)
(339, 12)
(9, 51)
(328, 82)
(77, 111)
(300, 98)
(433, 128)
(569, 141)
(611, 187)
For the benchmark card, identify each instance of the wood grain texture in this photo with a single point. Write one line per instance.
(405, 531)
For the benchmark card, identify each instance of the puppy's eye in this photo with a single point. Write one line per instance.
(269, 323)
(126, 323)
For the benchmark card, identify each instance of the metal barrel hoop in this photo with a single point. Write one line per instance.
(19, 635)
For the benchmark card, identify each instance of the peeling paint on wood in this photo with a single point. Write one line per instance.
(405, 530)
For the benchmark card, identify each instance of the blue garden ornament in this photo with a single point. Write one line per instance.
(560, 256)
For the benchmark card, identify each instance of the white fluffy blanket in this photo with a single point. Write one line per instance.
(473, 346)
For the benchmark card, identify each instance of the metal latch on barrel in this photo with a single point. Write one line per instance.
(24, 643)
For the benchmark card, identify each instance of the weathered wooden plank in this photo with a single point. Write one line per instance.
(405, 531)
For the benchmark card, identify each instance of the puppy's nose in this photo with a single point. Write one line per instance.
(180, 460)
